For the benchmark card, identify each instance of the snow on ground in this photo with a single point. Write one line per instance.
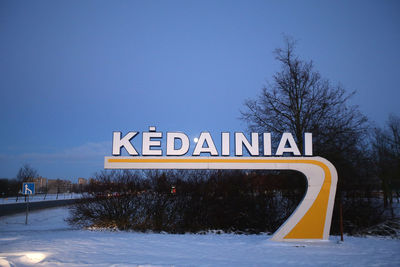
(48, 240)
(39, 197)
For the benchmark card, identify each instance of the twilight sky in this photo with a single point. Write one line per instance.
(72, 72)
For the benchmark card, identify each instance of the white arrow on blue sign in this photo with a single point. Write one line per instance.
(28, 188)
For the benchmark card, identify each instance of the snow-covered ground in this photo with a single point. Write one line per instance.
(49, 241)
(39, 197)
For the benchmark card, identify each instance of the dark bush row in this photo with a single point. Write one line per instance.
(193, 201)
(227, 200)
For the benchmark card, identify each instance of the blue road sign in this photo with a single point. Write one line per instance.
(28, 188)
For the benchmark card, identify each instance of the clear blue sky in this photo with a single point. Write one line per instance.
(72, 72)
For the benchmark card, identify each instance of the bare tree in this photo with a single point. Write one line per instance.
(394, 138)
(386, 147)
(26, 174)
(299, 100)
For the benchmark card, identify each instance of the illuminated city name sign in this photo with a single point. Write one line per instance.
(312, 218)
(178, 144)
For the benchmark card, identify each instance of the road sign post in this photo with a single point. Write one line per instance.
(28, 189)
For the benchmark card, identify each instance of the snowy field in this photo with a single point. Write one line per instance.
(49, 241)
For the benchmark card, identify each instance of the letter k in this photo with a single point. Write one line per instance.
(119, 142)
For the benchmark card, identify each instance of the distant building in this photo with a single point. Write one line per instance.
(82, 185)
(82, 181)
(58, 186)
(40, 184)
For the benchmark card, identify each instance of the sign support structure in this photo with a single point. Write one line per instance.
(28, 189)
(311, 221)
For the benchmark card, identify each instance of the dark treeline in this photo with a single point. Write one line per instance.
(9, 187)
(190, 201)
(12, 187)
(195, 201)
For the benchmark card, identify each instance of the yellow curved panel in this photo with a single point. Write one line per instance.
(311, 226)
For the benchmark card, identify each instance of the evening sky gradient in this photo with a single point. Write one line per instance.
(72, 72)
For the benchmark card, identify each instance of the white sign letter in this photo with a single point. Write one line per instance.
(267, 144)
(171, 137)
(225, 144)
(205, 137)
(308, 149)
(147, 143)
(241, 140)
(292, 145)
(118, 143)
